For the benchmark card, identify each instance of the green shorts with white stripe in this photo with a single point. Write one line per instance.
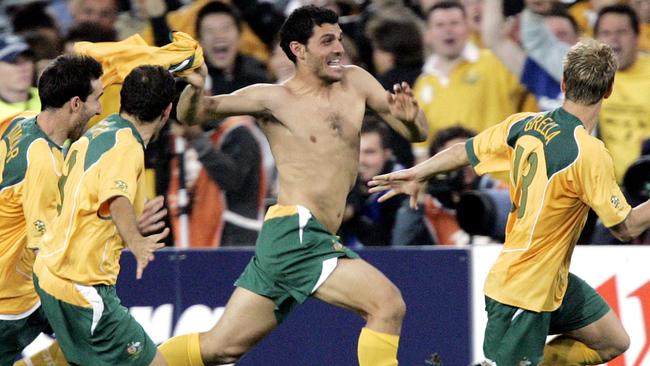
(104, 334)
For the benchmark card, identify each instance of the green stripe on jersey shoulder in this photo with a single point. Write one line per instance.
(555, 129)
(103, 136)
(18, 137)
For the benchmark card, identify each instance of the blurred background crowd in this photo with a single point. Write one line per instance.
(471, 64)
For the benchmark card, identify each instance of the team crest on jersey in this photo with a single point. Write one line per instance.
(39, 226)
(337, 246)
(133, 349)
(616, 202)
(121, 185)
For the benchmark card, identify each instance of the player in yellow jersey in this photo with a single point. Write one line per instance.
(30, 162)
(557, 171)
(102, 193)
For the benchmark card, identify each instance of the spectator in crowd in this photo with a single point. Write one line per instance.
(555, 31)
(219, 32)
(642, 8)
(16, 78)
(434, 222)
(101, 12)
(398, 55)
(586, 12)
(366, 221)
(89, 32)
(224, 175)
(461, 84)
(625, 116)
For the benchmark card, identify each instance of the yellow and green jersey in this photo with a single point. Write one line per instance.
(29, 170)
(106, 162)
(556, 171)
(625, 116)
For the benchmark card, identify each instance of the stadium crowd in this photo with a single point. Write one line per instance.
(471, 64)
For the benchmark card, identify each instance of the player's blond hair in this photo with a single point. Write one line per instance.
(589, 69)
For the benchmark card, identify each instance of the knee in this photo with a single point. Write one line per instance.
(617, 346)
(390, 305)
(219, 353)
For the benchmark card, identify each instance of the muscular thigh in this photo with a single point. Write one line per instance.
(248, 317)
(357, 285)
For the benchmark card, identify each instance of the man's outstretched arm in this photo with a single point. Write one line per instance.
(410, 181)
(399, 109)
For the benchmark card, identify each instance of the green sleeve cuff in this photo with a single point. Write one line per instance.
(471, 155)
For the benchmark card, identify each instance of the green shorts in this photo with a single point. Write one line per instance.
(513, 335)
(294, 255)
(102, 335)
(16, 334)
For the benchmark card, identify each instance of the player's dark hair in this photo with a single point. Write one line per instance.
(299, 26)
(66, 77)
(146, 92)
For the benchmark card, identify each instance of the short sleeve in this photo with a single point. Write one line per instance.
(120, 169)
(488, 152)
(597, 185)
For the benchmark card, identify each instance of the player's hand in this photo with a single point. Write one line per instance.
(402, 103)
(197, 77)
(152, 216)
(143, 248)
(399, 182)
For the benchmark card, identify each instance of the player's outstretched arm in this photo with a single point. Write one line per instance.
(399, 109)
(410, 181)
(635, 224)
(196, 108)
(123, 216)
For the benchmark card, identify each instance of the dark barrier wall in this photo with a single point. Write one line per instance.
(435, 284)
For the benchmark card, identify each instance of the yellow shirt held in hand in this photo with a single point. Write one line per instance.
(118, 59)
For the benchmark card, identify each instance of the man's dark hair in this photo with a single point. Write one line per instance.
(90, 32)
(619, 9)
(216, 7)
(445, 135)
(446, 4)
(299, 26)
(146, 92)
(401, 38)
(558, 10)
(373, 124)
(66, 77)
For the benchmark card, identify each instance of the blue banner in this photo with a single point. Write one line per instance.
(184, 290)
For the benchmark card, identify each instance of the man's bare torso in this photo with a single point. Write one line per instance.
(315, 142)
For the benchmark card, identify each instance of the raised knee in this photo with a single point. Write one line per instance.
(617, 347)
(223, 355)
(391, 305)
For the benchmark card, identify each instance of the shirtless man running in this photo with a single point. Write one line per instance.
(314, 123)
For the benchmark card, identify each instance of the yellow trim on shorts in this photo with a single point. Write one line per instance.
(276, 211)
(59, 288)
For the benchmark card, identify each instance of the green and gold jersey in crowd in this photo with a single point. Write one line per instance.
(29, 171)
(106, 162)
(557, 171)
